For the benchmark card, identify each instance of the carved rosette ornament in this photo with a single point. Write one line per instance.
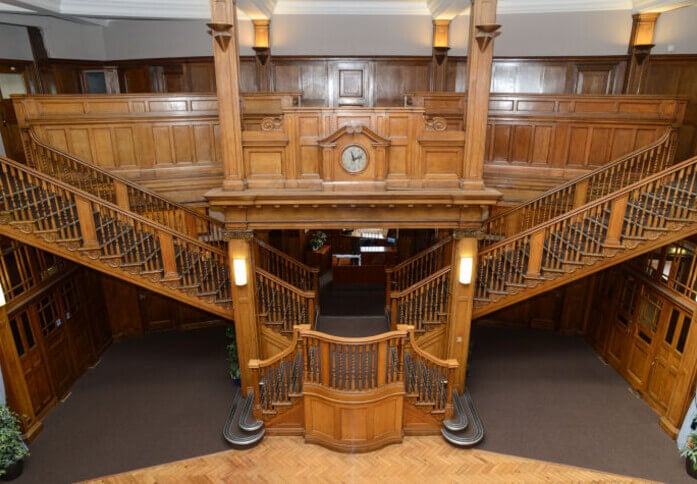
(272, 123)
(435, 123)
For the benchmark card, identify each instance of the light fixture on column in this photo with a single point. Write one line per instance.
(440, 39)
(2, 297)
(485, 34)
(465, 274)
(261, 39)
(239, 267)
(221, 33)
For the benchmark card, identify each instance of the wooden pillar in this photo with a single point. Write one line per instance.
(441, 29)
(262, 47)
(480, 51)
(18, 396)
(640, 45)
(226, 56)
(460, 310)
(244, 303)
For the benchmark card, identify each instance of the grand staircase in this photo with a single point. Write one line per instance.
(82, 213)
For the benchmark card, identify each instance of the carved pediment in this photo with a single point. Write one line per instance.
(351, 130)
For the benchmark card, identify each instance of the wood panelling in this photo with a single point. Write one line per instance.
(395, 77)
(676, 75)
(538, 139)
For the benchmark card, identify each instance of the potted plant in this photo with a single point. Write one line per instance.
(232, 358)
(689, 452)
(12, 448)
(317, 240)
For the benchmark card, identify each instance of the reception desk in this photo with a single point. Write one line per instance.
(365, 267)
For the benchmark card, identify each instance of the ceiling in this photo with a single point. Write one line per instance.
(100, 11)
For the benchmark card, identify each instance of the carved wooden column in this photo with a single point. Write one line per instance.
(262, 47)
(244, 301)
(461, 301)
(480, 51)
(640, 45)
(440, 54)
(18, 396)
(226, 55)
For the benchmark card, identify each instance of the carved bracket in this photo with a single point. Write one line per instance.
(272, 123)
(238, 235)
(485, 34)
(221, 34)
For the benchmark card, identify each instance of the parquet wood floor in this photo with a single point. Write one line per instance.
(417, 460)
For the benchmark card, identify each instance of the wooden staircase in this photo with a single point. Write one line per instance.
(637, 218)
(110, 225)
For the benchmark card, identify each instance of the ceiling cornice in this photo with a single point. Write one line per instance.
(447, 9)
(7, 8)
(257, 9)
(152, 9)
(554, 6)
(358, 7)
(648, 6)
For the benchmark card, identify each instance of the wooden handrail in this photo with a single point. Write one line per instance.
(61, 213)
(280, 304)
(275, 261)
(416, 268)
(407, 305)
(450, 363)
(118, 187)
(587, 231)
(564, 197)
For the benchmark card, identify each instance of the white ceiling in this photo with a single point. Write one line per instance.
(85, 10)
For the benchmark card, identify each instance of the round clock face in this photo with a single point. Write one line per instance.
(354, 159)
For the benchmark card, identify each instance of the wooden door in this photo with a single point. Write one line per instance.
(639, 358)
(664, 367)
(619, 331)
(156, 312)
(34, 366)
(350, 83)
(11, 83)
(72, 300)
(56, 343)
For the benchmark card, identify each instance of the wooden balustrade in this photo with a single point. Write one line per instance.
(592, 186)
(285, 267)
(282, 306)
(640, 212)
(353, 364)
(122, 192)
(417, 267)
(278, 379)
(118, 242)
(428, 380)
(423, 305)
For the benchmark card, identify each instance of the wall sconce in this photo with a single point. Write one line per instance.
(2, 297)
(239, 267)
(485, 34)
(465, 275)
(261, 39)
(221, 34)
(641, 52)
(441, 29)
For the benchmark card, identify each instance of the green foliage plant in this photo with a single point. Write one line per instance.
(12, 448)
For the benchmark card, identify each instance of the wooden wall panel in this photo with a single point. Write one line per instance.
(394, 78)
(677, 75)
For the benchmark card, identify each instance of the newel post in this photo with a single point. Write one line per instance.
(244, 305)
(462, 282)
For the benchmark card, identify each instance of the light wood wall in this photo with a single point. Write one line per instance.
(171, 143)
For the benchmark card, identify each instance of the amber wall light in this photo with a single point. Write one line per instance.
(239, 267)
(465, 274)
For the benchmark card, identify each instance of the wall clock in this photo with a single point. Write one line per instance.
(354, 159)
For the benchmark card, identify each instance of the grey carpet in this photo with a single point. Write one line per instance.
(166, 396)
(353, 326)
